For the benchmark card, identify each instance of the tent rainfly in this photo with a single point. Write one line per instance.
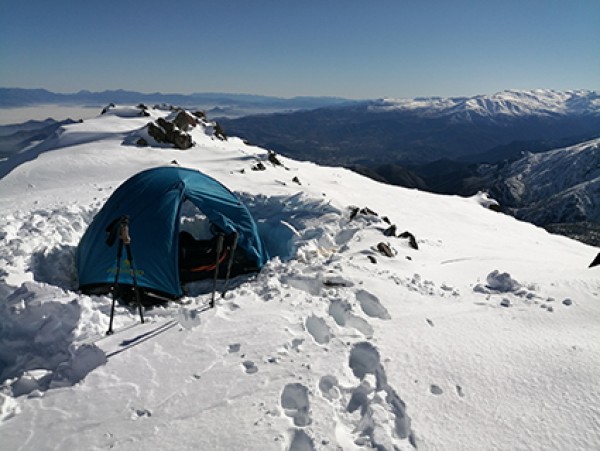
(165, 257)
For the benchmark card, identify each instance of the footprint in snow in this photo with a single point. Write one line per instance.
(301, 441)
(341, 312)
(435, 389)
(294, 400)
(366, 365)
(329, 387)
(295, 344)
(250, 367)
(371, 306)
(234, 347)
(319, 330)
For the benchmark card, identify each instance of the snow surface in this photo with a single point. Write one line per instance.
(485, 337)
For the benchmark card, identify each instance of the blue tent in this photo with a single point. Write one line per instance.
(153, 200)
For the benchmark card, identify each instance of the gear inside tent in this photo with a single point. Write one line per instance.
(178, 225)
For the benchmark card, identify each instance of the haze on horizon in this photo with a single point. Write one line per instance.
(334, 48)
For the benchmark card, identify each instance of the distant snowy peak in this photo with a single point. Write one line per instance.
(558, 186)
(511, 103)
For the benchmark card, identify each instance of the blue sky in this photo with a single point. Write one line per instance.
(353, 49)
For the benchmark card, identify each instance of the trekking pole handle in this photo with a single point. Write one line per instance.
(124, 231)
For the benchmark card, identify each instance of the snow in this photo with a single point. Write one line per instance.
(486, 337)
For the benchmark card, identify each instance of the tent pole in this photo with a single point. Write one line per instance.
(230, 263)
(219, 250)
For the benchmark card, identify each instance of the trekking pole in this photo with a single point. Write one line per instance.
(230, 263)
(126, 239)
(219, 250)
(115, 285)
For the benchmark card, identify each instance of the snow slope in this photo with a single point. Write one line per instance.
(485, 337)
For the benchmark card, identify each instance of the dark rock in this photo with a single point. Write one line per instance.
(219, 132)
(184, 121)
(567, 301)
(296, 180)
(259, 166)
(165, 124)
(166, 132)
(412, 241)
(143, 109)
(199, 114)
(107, 107)
(157, 133)
(385, 249)
(372, 259)
(368, 212)
(595, 262)
(390, 231)
(181, 140)
(273, 159)
(141, 142)
(386, 220)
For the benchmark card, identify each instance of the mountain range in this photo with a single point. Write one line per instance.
(221, 104)
(420, 131)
